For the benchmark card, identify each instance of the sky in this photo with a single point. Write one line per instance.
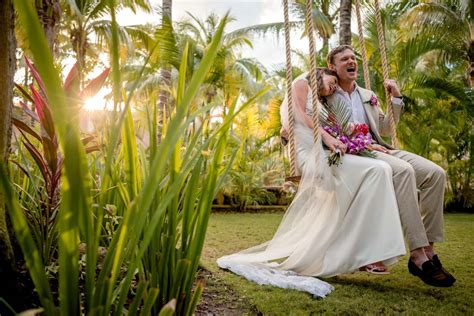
(269, 50)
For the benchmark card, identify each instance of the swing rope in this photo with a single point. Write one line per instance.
(289, 79)
(380, 33)
(313, 81)
(363, 51)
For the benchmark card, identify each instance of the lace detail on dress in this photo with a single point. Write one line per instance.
(265, 275)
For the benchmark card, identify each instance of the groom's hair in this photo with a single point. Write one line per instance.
(337, 50)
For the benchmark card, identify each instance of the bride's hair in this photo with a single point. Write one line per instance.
(319, 77)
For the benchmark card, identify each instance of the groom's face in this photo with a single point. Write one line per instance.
(345, 65)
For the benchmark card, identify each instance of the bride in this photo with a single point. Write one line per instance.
(342, 218)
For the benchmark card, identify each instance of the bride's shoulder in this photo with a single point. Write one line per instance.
(301, 85)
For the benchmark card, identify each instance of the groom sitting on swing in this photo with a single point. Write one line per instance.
(421, 218)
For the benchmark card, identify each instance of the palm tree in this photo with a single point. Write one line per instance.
(230, 75)
(85, 17)
(230, 72)
(437, 122)
(49, 13)
(7, 68)
(165, 71)
(324, 16)
(413, 62)
(447, 24)
(345, 34)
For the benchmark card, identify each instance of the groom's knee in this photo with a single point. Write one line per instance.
(381, 168)
(438, 173)
(404, 170)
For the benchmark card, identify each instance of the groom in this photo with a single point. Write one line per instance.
(422, 218)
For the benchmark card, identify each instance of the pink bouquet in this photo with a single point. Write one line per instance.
(355, 136)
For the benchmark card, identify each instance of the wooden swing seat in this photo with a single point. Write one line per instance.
(294, 179)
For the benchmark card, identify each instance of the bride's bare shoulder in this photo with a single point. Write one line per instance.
(301, 85)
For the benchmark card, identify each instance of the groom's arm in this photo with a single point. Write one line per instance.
(384, 118)
(397, 105)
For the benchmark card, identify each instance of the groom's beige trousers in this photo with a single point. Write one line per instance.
(422, 218)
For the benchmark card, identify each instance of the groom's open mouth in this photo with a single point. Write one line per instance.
(351, 70)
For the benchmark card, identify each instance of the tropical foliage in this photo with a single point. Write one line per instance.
(129, 230)
(41, 197)
(433, 74)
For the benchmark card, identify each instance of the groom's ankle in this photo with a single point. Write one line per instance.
(429, 251)
(418, 257)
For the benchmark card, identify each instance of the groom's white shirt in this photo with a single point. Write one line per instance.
(354, 100)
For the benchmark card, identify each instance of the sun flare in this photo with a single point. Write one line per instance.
(98, 102)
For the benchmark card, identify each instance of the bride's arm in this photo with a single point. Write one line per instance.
(300, 91)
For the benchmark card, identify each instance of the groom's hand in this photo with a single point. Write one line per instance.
(392, 88)
(378, 147)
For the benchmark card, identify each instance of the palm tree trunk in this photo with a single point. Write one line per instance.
(165, 75)
(325, 48)
(345, 34)
(471, 61)
(7, 69)
(49, 13)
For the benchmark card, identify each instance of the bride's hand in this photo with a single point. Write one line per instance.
(333, 143)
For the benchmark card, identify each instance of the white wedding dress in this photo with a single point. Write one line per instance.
(342, 218)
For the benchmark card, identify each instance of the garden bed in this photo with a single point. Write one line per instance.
(220, 299)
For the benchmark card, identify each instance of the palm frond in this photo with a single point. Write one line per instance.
(280, 71)
(142, 34)
(168, 52)
(76, 8)
(103, 31)
(434, 16)
(135, 5)
(321, 20)
(238, 42)
(335, 112)
(273, 122)
(261, 30)
(411, 51)
(249, 68)
(440, 86)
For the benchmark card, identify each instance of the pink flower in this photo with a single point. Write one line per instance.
(373, 100)
(361, 128)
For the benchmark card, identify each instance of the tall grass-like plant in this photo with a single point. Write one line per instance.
(153, 254)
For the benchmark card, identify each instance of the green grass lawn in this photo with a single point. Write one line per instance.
(356, 293)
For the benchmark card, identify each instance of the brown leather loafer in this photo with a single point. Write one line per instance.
(438, 264)
(430, 274)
